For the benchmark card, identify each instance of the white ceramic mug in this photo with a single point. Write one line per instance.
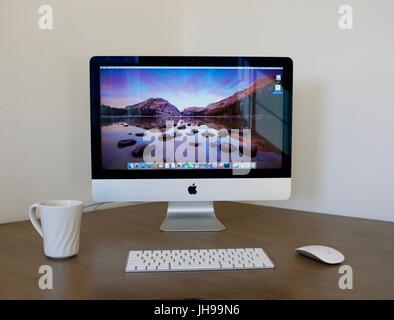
(60, 226)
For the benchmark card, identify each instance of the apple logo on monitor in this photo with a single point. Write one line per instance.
(192, 189)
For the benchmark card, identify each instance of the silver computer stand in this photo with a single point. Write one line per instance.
(191, 216)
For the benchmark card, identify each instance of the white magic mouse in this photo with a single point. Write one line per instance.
(322, 254)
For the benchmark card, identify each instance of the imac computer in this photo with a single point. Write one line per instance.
(190, 131)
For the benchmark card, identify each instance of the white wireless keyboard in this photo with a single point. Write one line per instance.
(197, 260)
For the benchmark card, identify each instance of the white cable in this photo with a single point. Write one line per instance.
(93, 206)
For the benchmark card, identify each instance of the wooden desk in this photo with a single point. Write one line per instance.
(107, 236)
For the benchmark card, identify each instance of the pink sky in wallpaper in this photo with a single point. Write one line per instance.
(182, 87)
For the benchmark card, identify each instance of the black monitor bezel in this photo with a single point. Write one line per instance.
(96, 62)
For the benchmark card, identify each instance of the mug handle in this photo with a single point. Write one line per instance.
(33, 218)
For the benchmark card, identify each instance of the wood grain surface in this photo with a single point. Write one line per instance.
(97, 272)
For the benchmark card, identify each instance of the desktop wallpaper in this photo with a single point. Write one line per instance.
(202, 104)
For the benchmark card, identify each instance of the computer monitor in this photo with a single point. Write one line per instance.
(190, 131)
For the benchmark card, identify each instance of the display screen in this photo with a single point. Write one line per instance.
(191, 118)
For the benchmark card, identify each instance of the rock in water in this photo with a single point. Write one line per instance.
(252, 149)
(181, 127)
(195, 144)
(194, 131)
(207, 134)
(165, 137)
(138, 151)
(223, 133)
(139, 134)
(126, 143)
(227, 147)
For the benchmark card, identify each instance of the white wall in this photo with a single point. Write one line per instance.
(344, 112)
(44, 88)
(343, 98)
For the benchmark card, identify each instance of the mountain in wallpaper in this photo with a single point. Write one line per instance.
(158, 107)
